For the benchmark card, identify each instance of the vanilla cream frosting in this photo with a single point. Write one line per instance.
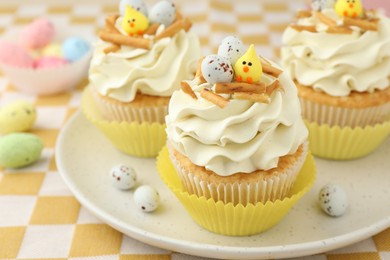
(242, 137)
(338, 63)
(158, 71)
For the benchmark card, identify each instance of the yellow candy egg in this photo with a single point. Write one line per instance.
(18, 116)
(52, 50)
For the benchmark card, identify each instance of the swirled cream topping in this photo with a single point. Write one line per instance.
(338, 63)
(158, 71)
(244, 136)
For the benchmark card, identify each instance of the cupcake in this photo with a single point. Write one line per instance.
(237, 145)
(339, 58)
(139, 61)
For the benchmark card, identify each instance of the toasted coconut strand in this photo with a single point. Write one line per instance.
(264, 60)
(229, 88)
(110, 24)
(199, 71)
(119, 39)
(187, 89)
(152, 29)
(214, 98)
(261, 98)
(363, 24)
(303, 14)
(339, 30)
(325, 19)
(272, 87)
(178, 16)
(309, 28)
(174, 28)
(112, 48)
(271, 70)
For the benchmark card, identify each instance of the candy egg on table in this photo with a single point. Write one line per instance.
(123, 177)
(162, 12)
(138, 5)
(14, 55)
(37, 34)
(74, 48)
(18, 116)
(232, 48)
(216, 68)
(333, 200)
(49, 62)
(19, 149)
(146, 198)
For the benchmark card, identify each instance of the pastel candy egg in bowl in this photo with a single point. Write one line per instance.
(47, 74)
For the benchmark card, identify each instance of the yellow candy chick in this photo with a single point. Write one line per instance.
(248, 67)
(134, 22)
(350, 8)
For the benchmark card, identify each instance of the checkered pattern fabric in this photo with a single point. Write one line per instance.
(39, 217)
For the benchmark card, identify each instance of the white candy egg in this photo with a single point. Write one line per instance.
(216, 68)
(138, 5)
(123, 177)
(163, 12)
(333, 200)
(146, 198)
(231, 48)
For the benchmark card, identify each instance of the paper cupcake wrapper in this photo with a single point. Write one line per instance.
(331, 115)
(228, 219)
(116, 112)
(48, 81)
(271, 188)
(137, 139)
(345, 143)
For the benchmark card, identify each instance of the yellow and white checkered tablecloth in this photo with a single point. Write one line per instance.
(39, 216)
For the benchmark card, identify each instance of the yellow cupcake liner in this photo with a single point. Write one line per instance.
(239, 220)
(345, 143)
(137, 139)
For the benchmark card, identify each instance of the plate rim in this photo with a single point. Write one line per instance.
(204, 249)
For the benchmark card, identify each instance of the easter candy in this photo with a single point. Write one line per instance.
(18, 116)
(146, 198)
(134, 22)
(19, 149)
(52, 50)
(162, 12)
(333, 200)
(49, 62)
(248, 67)
(123, 177)
(37, 34)
(319, 5)
(231, 48)
(347, 8)
(138, 5)
(216, 68)
(15, 55)
(74, 48)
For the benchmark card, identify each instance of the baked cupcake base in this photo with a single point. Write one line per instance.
(229, 219)
(133, 138)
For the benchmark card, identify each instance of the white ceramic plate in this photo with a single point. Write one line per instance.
(84, 158)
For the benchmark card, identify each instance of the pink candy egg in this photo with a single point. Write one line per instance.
(49, 62)
(37, 34)
(14, 55)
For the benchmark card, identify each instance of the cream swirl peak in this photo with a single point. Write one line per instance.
(147, 58)
(243, 135)
(338, 55)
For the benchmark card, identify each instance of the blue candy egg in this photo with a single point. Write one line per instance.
(74, 48)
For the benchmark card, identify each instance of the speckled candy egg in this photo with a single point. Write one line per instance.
(123, 177)
(216, 68)
(333, 200)
(231, 48)
(74, 48)
(37, 34)
(138, 5)
(14, 55)
(18, 116)
(146, 198)
(163, 12)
